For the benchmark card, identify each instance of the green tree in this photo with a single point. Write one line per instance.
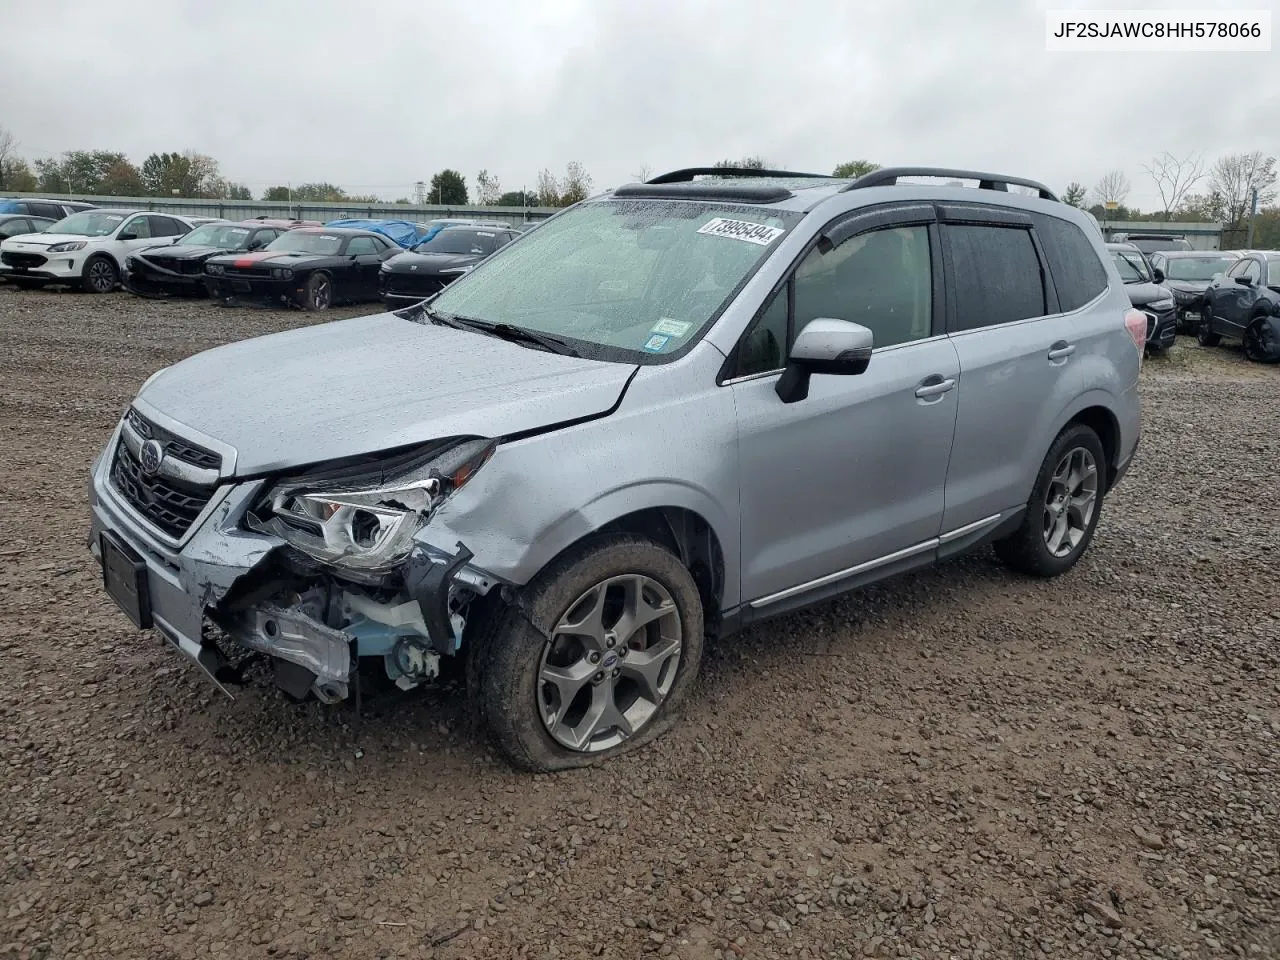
(448, 187)
(576, 185)
(16, 176)
(401, 200)
(1075, 194)
(121, 180)
(548, 189)
(854, 168)
(77, 171)
(276, 194)
(746, 163)
(187, 174)
(517, 198)
(319, 193)
(238, 191)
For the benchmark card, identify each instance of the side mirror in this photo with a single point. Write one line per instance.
(827, 346)
(1157, 275)
(127, 236)
(255, 245)
(1244, 281)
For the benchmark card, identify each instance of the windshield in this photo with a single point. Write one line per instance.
(217, 235)
(301, 241)
(1196, 268)
(91, 223)
(1133, 269)
(458, 241)
(631, 277)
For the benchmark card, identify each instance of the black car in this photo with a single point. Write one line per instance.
(432, 264)
(1145, 293)
(177, 269)
(1187, 274)
(311, 267)
(1244, 303)
(14, 225)
(46, 209)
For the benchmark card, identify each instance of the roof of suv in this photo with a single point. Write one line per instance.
(793, 190)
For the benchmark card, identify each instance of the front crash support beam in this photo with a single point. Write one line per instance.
(429, 582)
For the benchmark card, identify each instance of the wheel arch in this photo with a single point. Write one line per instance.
(1102, 421)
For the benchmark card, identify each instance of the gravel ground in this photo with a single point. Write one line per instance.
(957, 763)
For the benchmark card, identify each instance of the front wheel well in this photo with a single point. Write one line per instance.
(1102, 422)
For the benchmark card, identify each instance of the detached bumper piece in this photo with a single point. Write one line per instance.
(430, 583)
(263, 291)
(163, 278)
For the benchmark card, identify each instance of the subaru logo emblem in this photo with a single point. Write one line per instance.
(610, 661)
(150, 457)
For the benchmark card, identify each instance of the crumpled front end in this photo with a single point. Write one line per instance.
(205, 559)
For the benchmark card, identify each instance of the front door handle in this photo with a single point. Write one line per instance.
(1061, 350)
(934, 386)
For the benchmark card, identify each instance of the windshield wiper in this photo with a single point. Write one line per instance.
(506, 331)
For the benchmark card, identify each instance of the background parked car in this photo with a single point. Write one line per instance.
(1144, 290)
(178, 268)
(1187, 274)
(403, 233)
(50, 209)
(1150, 243)
(432, 264)
(311, 267)
(12, 225)
(87, 249)
(1244, 303)
(440, 223)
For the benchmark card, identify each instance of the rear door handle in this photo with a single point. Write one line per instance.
(934, 386)
(1061, 350)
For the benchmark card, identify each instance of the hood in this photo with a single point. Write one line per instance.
(178, 252)
(429, 263)
(270, 258)
(1140, 294)
(1188, 286)
(33, 241)
(361, 386)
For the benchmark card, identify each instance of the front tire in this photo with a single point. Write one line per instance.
(595, 659)
(100, 275)
(1255, 347)
(319, 292)
(1205, 335)
(1063, 510)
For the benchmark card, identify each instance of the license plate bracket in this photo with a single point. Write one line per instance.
(124, 576)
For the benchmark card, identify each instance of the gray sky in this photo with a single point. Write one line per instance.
(373, 96)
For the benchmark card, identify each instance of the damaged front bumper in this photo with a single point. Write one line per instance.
(311, 624)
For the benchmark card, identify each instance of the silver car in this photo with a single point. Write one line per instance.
(670, 411)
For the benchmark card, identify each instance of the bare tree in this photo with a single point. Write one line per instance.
(548, 189)
(488, 189)
(643, 174)
(8, 152)
(1112, 187)
(1235, 177)
(1174, 177)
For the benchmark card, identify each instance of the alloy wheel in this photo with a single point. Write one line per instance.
(320, 297)
(609, 664)
(102, 276)
(1069, 501)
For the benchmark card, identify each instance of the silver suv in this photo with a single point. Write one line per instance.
(670, 411)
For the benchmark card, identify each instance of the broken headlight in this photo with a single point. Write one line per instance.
(366, 521)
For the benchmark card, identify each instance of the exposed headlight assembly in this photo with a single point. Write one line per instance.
(365, 522)
(68, 246)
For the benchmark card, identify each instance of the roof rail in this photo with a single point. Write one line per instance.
(889, 176)
(688, 173)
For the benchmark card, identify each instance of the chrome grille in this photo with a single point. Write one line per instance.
(174, 446)
(169, 502)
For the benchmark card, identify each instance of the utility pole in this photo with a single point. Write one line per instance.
(1253, 216)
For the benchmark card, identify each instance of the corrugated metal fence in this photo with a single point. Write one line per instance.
(248, 209)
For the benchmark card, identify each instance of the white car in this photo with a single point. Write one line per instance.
(86, 249)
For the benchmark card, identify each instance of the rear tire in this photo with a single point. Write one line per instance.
(1063, 509)
(99, 276)
(1254, 349)
(1205, 335)
(319, 292)
(535, 676)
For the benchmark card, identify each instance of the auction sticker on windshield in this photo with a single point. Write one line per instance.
(672, 328)
(756, 233)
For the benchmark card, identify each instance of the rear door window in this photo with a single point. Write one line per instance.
(1078, 274)
(361, 246)
(995, 275)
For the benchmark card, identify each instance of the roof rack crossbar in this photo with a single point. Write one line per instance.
(889, 176)
(688, 173)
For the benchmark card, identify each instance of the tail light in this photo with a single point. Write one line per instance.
(1135, 321)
